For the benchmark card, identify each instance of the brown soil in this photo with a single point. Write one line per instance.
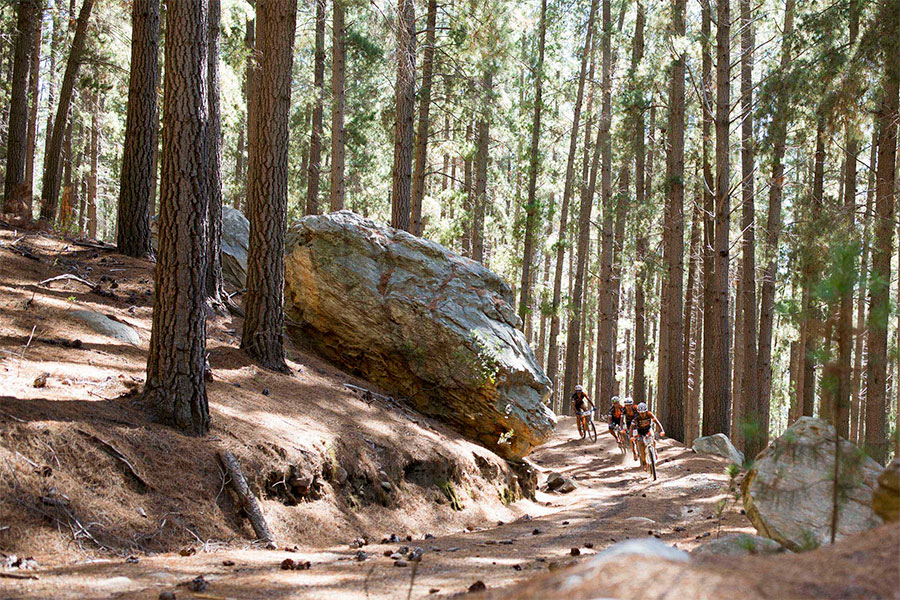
(65, 499)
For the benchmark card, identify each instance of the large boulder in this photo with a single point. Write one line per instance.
(720, 445)
(103, 325)
(419, 321)
(886, 500)
(789, 493)
(739, 544)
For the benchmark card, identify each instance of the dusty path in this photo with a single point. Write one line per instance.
(614, 501)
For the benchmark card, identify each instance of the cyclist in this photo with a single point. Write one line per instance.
(630, 414)
(615, 416)
(582, 406)
(644, 421)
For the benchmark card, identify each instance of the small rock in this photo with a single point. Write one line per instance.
(189, 551)
(454, 549)
(409, 538)
(396, 556)
(386, 486)
(537, 532)
(360, 555)
(132, 560)
(434, 590)
(227, 563)
(166, 595)
(478, 586)
(266, 392)
(589, 545)
(679, 528)
(400, 563)
(505, 542)
(415, 555)
(428, 536)
(403, 549)
(517, 567)
(198, 584)
(565, 522)
(41, 380)
(575, 552)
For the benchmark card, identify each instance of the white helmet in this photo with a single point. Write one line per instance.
(628, 401)
(578, 388)
(642, 407)
(615, 399)
(620, 402)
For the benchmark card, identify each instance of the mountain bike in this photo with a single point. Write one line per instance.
(586, 426)
(647, 453)
(622, 439)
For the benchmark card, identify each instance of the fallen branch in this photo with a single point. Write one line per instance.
(69, 277)
(247, 500)
(116, 454)
(369, 395)
(18, 576)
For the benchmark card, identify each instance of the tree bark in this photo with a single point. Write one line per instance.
(15, 187)
(553, 346)
(338, 56)
(673, 392)
(215, 283)
(34, 89)
(50, 187)
(418, 184)
(481, 164)
(689, 383)
(717, 362)
(531, 207)
(315, 137)
(240, 175)
(405, 97)
(262, 337)
(96, 108)
(877, 443)
(247, 501)
(778, 134)
(137, 187)
(176, 386)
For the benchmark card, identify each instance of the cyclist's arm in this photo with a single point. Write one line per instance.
(659, 426)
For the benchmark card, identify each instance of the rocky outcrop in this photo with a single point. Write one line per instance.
(421, 322)
(738, 545)
(720, 445)
(103, 325)
(789, 494)
(886, 500)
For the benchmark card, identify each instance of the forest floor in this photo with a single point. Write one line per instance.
(156, 517)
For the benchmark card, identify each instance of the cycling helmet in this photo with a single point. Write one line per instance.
(642, 407)
(620, 402)
(615, 399)
(628, 401)
(578, 388)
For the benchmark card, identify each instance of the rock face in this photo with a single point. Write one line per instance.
(886, 500)
(720, 445)
(417, 320)
(789, 493)
(738, 545)
(105, 326)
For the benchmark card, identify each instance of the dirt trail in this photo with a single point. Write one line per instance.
(613, 502)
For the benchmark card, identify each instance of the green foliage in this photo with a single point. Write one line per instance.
(449, 491)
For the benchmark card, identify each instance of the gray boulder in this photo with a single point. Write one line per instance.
(788, 494)
(646, 547)
(720, 445)
(739, 544)
(556, 482)
(419, 321)
(103, 325)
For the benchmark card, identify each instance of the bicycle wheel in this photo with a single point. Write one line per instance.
(652, 452)
(581, 430)
(592, 431)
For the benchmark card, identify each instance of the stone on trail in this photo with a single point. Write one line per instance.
(421, 322)
(556, 482)
(886, 500)
(640, 520)
(739, 544)
(103, 325)
(719, 445)
(789, 493)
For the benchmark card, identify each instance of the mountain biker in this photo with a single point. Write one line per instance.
(644, 421)
(581, 404)
(630, 414)
(615, 416)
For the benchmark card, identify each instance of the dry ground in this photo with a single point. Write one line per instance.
(69, 502)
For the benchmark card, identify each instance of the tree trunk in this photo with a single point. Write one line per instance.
(857, 423)
(673, 393)
(97, 102)
(176, 384)
(418, 184)
(481, 164)
(50, 187)
(531, 207)
(215, 284)
(34, 90)
(240, 175)
(468, 197)
(587, 51)
(778, 134)
(717, 362)
(877, 443)
(262, 337)
(738, 351)
(405, 97)
(691, 409)
(640, 188)
(315, 137)
(338, 56)
(15, 187)
(137, 188)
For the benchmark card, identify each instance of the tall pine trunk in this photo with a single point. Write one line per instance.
(482, 132)
(34, 76)
(338, 57)
(51, 183)
(215, 284)
(857, 422)
(418, 184)
(315, 137)
(176, 386)
(879, 282)
(270, 104)
(405, 96)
